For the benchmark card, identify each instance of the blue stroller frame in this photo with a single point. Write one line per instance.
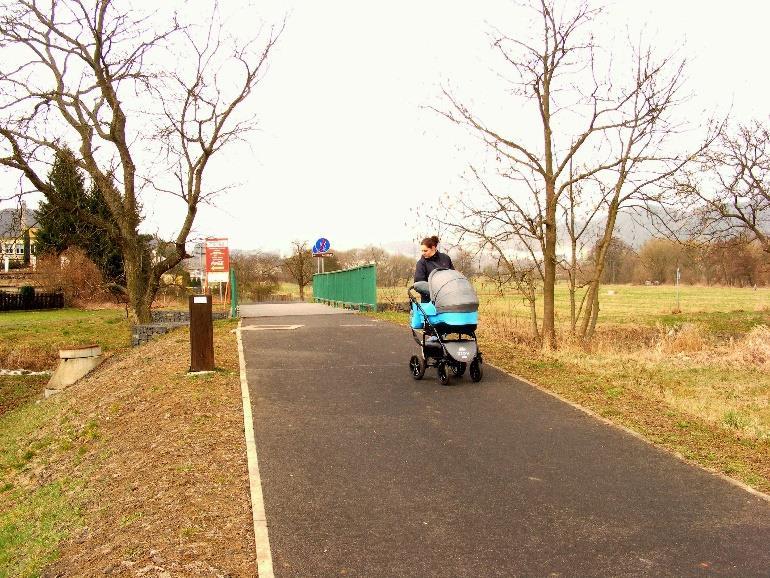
(432, 332)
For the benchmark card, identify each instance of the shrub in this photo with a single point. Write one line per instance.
(75, 275)
(27, 293)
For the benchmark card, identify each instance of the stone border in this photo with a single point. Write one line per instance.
(163, 322)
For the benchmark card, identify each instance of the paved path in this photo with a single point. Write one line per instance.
(366, 472)
(288, 309)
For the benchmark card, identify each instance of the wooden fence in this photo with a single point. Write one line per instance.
(18, 302)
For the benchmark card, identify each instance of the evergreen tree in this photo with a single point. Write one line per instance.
(100, 247)
(58, 230)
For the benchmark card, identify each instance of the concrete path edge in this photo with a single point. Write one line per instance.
(261, 538)
(633, 433)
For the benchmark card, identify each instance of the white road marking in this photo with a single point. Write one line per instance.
(261, 539)
(270, 327)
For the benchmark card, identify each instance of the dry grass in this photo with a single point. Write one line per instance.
(686, 338)
(153, 462)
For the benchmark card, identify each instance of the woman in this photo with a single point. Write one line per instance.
(431, 259)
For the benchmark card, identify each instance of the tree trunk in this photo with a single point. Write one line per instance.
(591, 313)
(532, 298)
(549, 270)
(573, 277)
(139, 308)
(137, 285)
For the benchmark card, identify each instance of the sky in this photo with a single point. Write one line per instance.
(348, 144)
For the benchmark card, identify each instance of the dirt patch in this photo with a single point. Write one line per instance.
(166, 490)
(16, 390)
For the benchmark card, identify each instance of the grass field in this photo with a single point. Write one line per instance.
(722, 308)
(31, 339)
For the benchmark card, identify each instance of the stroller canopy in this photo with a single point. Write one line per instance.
(451, 291)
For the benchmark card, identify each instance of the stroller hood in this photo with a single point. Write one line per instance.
(451, 291)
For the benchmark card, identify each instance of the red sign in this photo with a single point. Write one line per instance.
(217, 256)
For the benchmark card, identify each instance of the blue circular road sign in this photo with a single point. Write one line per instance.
(321, 245)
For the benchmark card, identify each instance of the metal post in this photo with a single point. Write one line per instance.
(201, 334)
(678, 308)
(233, 295)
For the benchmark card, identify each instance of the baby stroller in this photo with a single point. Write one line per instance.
(445, 327)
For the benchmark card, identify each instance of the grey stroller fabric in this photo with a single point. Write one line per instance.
(451, 291)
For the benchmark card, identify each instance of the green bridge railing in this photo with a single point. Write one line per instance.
(354, 288)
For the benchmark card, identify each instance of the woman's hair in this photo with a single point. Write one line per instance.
(430, 241)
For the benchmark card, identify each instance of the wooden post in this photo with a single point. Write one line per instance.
(201, 334)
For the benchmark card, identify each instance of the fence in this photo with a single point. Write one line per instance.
(353, 288)
(18, 302)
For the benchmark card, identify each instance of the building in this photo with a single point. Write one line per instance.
(194, 264)
(18, 228)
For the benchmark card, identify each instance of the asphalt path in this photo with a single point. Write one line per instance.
(366, 472)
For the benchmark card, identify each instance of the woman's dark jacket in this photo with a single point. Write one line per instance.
(425, 266)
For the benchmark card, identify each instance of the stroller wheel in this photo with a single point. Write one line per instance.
(417, 367)
(443, 375)
(459, 369)
(476, 372)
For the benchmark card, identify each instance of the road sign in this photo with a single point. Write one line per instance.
(323, 254)
(322, 245)
(217, 260)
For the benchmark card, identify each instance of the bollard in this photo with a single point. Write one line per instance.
(201, 334)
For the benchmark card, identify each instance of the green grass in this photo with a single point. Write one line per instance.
(35, 519)
(722, 309)
(31, 339)
(31, 531)
(18, 444)
(650, 304)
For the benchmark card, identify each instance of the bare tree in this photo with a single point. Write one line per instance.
(257, 273)
(300, 265)
(395, 271)
(462, 259)
(86, 74)
(602, 132)
(730, 193)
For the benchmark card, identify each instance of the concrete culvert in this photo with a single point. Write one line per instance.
(74, 363)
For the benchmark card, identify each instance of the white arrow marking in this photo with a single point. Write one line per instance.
(270, 327)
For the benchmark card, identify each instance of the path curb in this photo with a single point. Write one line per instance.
(261, 538)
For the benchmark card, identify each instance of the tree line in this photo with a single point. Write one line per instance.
(735, 262)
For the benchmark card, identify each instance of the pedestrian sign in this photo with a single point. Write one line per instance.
(321, 246)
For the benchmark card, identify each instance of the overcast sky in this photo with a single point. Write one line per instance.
(347, 146)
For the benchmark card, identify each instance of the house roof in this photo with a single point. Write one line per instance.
(11, 221)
